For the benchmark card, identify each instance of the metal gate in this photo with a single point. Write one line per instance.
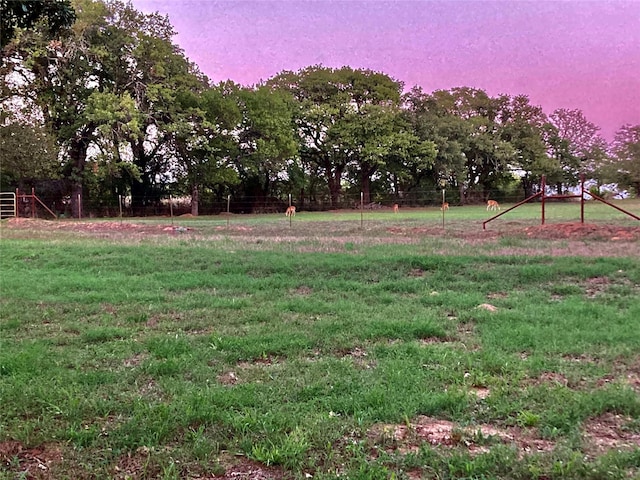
(7, 204)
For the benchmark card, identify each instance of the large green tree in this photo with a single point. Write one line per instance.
(625, 168)
(486, 153)
(348, 121)
(582, 149)
(52, 15)
(433, 119)
(524, 127)
(321, 105)
(140, 61)
(53, 81)
(203, 143)
(28, 153)
(266, 142)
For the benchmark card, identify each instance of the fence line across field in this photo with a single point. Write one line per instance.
(11, 205)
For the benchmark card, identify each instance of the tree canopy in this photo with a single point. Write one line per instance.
(122, 111)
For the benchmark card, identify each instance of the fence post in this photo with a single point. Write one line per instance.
(361, 209)
(17, 202)
(228, 210)
(33, 202)
(290, 216)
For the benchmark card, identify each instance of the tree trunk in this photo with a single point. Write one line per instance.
(366, 188)
(78, 157)
(333, 181)
(367, 171)
(527, 186)
(195, 200)
(139, 187)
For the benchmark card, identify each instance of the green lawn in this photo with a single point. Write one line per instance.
(319, 349)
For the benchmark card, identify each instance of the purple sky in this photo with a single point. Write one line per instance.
(562, 54)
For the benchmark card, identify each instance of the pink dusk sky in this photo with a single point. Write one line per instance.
(562, 54)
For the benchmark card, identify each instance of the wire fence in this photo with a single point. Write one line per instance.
(128, 206)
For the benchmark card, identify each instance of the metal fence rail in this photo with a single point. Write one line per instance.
(8, 205)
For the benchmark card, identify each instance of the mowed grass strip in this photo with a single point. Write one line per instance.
(181, 354)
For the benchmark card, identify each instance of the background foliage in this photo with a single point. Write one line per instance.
(124, 114)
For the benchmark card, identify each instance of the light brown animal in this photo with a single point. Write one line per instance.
(445, 206)
(493, 205)
(291, 211)
(396, 208)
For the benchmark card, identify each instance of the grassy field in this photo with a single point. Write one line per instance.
(322, 349)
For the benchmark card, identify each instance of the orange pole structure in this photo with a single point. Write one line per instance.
(442, 208)
(33, 202)
(536, 195)
(543, 188)
(582, 198)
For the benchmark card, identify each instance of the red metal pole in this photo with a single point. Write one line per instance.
(33, 202)
(484, 224)
(582, 198)
(543, 188)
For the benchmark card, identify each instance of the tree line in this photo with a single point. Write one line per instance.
(99, 103)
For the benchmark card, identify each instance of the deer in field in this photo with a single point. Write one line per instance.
(493, 205)
(396, 208)
(291, 211)
(445, 206)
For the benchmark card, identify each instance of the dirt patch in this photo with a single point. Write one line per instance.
(359, 357)
(624, 373)
(239, 468)
(584, 231)
(228, 378)
(302, 290)
(36, 462)
(480, 392)
(97, 228)
(136, 360)
(407, 438)
(548, 378)
(608, 432)
(596, 286)
(610, 240)
(488, 306)
(135, 465)
(433, 340)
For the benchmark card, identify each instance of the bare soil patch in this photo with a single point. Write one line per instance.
(240, 468)
(596, 286)
(407, 438)
(577, 238)
(36, 462)
(608, 432)
(584, 231)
